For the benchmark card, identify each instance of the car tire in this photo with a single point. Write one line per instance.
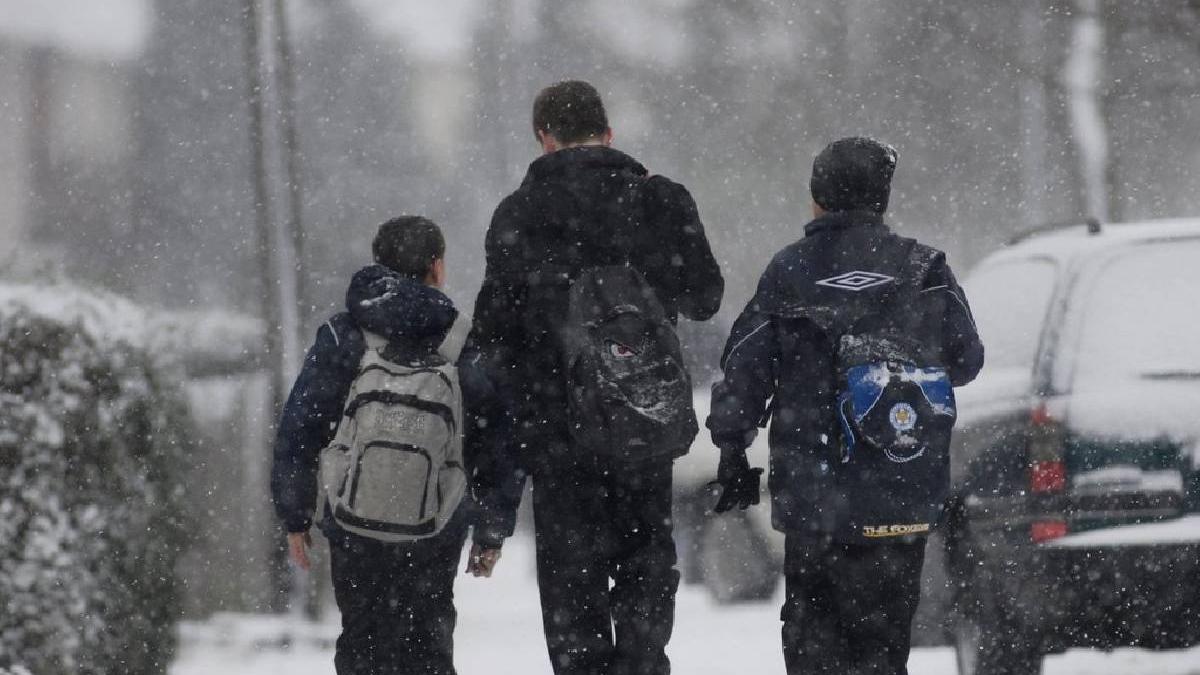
(986, 645)
(735, 559)
(986, 639)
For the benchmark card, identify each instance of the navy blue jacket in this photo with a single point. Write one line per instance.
(412, 315)
(780, 366)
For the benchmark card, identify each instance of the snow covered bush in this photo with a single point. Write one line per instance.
(92, 442)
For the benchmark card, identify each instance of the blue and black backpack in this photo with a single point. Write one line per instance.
(894, 403)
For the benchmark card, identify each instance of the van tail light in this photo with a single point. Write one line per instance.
(1045, 530)
(1047, 472)
(1047, 477)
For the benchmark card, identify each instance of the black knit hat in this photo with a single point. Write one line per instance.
(853, 174)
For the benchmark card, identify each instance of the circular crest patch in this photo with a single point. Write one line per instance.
(903, 417)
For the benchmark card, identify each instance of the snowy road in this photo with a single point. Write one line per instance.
(499, 633)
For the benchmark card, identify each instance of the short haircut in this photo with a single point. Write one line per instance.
(409, 245)
(570, 111)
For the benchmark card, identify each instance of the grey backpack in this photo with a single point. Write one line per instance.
(394, 471)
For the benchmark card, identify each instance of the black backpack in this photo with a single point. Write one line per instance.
(629, 394)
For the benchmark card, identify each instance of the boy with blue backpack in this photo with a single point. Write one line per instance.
(850, 347)
(373, 425)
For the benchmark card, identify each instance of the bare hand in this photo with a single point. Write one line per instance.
(298, 545)
(482, 561)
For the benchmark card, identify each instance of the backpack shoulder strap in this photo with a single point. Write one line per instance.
(375, 341)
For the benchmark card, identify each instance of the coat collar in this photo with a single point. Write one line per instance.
(841, 220)
(582, 157)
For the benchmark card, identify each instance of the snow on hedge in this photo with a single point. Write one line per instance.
(92, 443)
(204, 340)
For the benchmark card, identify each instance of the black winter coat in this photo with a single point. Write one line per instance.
(577, 208)
(781, 367)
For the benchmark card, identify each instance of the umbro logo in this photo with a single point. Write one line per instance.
(856, 281)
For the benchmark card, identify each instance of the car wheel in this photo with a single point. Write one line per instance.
(987, 641)
(988, 647)
(735, 559)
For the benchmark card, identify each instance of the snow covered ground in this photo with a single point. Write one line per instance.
(499, 633)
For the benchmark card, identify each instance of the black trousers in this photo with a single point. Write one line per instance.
(594, 524)
(849, 609)
(397, 602)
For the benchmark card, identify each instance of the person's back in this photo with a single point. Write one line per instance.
(855, 336)
(395, 598)
(585, 206)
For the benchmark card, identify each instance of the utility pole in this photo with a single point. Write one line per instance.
(1084, 74)
(292, 158)
(294, 309)
(1032, 88)
(268, 286)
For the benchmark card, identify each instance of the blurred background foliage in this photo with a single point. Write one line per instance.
(131, 166)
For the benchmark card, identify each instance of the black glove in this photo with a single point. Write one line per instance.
(739, 483)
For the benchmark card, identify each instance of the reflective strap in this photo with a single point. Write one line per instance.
(847, 427)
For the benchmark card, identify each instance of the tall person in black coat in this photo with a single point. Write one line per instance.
(595, 520)
(852, 587)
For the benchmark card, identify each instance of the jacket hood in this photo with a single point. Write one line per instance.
(582, 158)
(399, 308)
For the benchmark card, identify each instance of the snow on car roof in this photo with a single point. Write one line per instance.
(1073, 241)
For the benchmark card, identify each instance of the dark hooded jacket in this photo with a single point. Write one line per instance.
(779, 364)
(577, 208)
(413, 316)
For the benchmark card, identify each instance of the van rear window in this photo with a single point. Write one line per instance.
(1009, 300)
(1141, 317)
